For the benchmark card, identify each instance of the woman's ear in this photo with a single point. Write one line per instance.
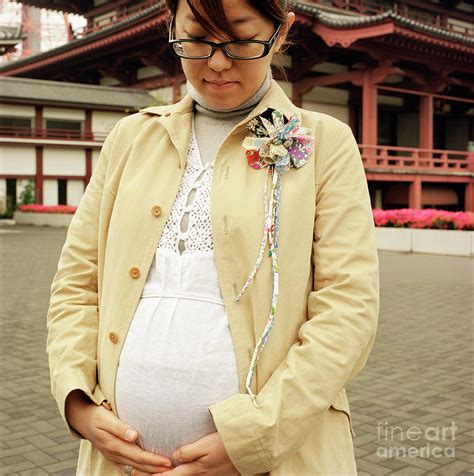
(284, 31)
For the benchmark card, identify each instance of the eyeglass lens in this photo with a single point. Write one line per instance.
(197, 49)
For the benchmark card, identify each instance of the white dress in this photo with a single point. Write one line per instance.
(178, 357)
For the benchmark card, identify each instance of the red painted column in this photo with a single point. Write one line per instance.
(369, 109)
(39, 181)
(414, 193)
(88, 167)
(426, 124)
(469, 197)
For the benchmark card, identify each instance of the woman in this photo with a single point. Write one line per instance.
(218, 286)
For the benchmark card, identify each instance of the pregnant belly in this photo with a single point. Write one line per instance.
(177, 360)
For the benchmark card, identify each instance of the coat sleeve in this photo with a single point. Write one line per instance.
(334, 343)
(72, 318)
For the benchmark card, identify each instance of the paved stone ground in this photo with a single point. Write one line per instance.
(418, 377)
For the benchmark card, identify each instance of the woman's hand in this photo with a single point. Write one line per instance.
(206, 456)
(112, 437)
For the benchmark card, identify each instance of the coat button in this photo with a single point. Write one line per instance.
(167, 114)
(134, 272)
(113, 337)
(156, 210)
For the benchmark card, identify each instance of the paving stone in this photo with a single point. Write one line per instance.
(416, 375)
(40, 457)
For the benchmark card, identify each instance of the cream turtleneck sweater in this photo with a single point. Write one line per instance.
(212, 125)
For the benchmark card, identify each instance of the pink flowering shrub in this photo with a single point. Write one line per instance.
(47, 208)
(401, 218)
(426, 218)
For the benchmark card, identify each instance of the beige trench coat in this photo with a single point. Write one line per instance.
(328, 305)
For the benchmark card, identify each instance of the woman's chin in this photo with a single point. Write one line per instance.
(223, 99)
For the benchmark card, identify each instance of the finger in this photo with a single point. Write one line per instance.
(142, 457)
(187, 453)
(129, 449)
(118, 428)
(140, 471)
(135, 472)
(146, 468)
(187, 469)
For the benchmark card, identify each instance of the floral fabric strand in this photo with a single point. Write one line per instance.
(277, 147)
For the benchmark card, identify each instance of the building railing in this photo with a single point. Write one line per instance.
(426, 16)
(388, 158)
(397, 158)
(15, 132)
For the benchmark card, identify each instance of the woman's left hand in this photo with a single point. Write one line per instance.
(206, 456)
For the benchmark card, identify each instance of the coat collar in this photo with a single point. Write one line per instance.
(176, 118)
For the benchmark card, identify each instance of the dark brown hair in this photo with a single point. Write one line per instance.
(274, 10)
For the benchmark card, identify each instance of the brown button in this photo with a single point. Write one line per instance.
(113, 337)
(156, 210)
(134, 272)
(167, 114)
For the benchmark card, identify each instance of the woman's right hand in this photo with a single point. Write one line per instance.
(111, 436)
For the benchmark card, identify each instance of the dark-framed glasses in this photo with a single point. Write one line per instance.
(238, 49)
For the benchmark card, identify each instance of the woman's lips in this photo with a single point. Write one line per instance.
(221, 86)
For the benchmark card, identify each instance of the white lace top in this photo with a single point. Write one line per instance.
(178, 356)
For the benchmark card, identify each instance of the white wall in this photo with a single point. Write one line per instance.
(14, 110)
(17, 160)
(149, 72)
(330, 101)
(165, 94)
(103, 121)
(64, 113)
(3, 195)
(64, 161)
(75, 190)
(50, 192)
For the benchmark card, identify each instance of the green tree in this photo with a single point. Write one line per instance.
(27, 196)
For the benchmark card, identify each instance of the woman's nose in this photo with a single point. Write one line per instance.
(219, 61)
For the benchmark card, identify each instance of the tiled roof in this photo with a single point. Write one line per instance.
(339, 20)
(41, 90)
(334, 20)
(11, 34)
(88, 38)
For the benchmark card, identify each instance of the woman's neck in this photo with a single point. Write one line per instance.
(211, 126)
(201, 106)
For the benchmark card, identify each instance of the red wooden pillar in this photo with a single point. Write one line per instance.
(469, 197)
(369, 134)
(426, 123)
(39, 181)
(414, 193)
(369, 109)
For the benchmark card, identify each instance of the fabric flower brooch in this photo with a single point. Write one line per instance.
(278, 146)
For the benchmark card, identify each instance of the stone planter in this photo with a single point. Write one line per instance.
(444, 242)
(43, 219)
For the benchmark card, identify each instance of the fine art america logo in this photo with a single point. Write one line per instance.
(431, 442)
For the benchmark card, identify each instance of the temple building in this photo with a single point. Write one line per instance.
(401, 74)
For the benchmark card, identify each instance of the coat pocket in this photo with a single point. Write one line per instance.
(341, 404)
